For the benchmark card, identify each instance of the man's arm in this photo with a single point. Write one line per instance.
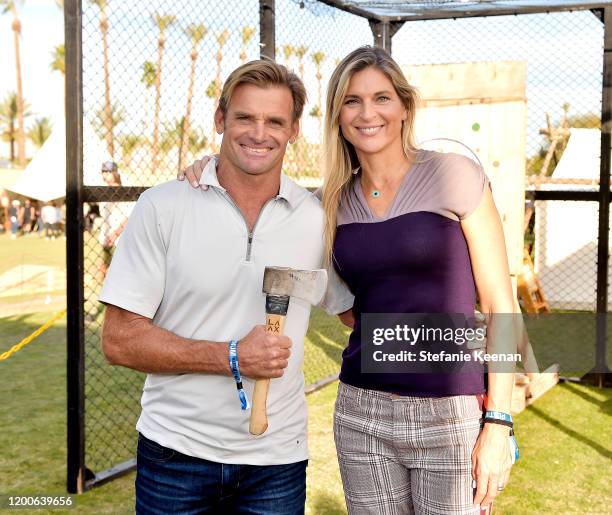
(347, 318)
(132, 341)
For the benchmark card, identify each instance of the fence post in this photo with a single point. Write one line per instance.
(267, 29)
(383, 32)
(75, 337)
(601, 374)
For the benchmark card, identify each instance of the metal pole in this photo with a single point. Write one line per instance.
(601, 375)
(383, 32)
(74, 248)
(267, 29)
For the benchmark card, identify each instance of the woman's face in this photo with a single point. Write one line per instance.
(372, 113)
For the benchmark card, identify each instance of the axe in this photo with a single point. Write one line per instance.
(279, 285)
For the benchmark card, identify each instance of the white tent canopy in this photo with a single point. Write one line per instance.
(45, 176)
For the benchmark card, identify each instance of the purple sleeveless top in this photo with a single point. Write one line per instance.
(415, 259)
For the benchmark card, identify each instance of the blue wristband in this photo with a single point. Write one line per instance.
(498, 415)
(514, 449)
(505, 419)
(233, 360)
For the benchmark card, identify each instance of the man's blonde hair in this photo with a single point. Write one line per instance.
(264, 73)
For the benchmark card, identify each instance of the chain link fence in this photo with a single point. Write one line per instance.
(152, 76)
(311, 38)
(560, 55)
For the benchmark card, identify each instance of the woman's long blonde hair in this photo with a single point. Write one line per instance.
(340, 158)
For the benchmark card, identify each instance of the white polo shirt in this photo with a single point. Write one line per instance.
(185, 261)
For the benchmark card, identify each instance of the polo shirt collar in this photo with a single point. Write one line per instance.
(289, 190)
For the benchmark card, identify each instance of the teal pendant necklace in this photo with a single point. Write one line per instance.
(375, 193)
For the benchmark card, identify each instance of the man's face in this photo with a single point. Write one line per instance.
(256, 128)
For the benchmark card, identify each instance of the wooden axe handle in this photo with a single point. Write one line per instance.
(259, 417)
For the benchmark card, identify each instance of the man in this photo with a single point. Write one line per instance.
(50, 218)
(113, 218)
(186, 279)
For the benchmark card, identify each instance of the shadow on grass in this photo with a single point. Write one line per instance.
(333, 351)
(605, 405)
(323, 348)
(606, 453)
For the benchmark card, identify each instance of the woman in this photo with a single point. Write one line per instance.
(410, 231)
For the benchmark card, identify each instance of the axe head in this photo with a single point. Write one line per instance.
(308, 285)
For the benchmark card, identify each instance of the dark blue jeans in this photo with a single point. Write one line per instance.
(170, 482)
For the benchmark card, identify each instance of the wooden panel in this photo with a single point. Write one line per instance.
(481, 80)
(482, 105)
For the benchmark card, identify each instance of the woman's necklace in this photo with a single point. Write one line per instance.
(375, 193)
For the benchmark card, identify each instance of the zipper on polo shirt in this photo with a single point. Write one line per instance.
(250, 234)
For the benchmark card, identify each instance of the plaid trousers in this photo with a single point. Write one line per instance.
(404, 455)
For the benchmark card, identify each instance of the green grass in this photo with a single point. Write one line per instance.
(565, 437)
(31, 250)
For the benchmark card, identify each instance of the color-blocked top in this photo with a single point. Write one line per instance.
(415, 259)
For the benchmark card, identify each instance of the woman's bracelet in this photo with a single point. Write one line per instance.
(500, 418)
(499, 422)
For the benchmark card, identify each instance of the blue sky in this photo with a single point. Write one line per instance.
(42, 29)
(563, 52)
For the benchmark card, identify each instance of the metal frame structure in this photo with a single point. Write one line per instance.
(79, 478)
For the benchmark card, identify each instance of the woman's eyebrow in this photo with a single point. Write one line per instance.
(377, 93)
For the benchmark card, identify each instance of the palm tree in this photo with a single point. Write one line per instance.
(211, 92)
(117, 117)
(163, 21)
(300, 52)
(288, 51)
(40, 131)
(108, 115)
(221, 38)
(247, 34)
(195, 142)
(11, 6)
(149, 77)
(8, 119)
(317, 59)
(196, 33)
(173, 136)
(129, 143)
(58, 64)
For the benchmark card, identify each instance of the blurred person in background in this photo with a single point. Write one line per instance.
(27, 216)
(49, 217)
(5, 220)
(14, 217)
(113, 218)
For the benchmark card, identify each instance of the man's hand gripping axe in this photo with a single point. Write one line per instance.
(279, 285)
